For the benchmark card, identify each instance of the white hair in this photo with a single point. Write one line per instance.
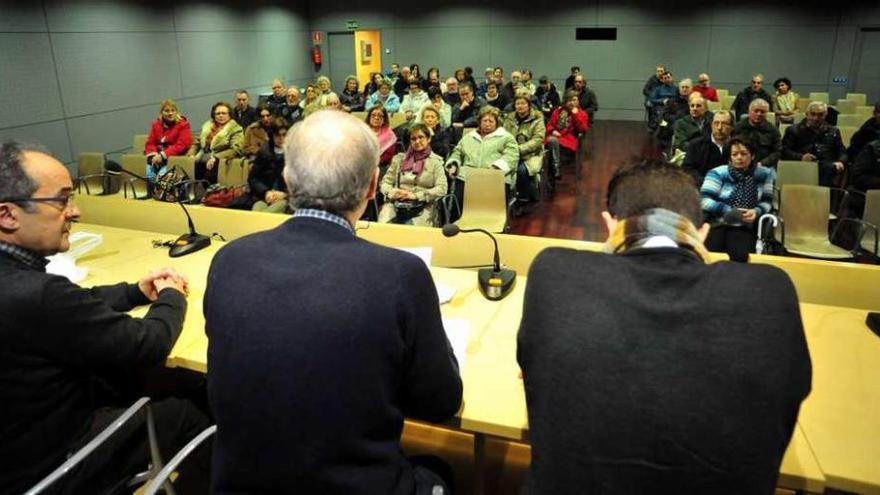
(759, 102)
(817, 106)
(329, 161)
(687, 81)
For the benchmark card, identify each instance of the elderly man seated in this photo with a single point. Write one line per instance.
(451, 96)
(704, 87)
(658, 98)
(750, 93)
(692, 126)
(712, 150)
(814, 140)
(763, 134)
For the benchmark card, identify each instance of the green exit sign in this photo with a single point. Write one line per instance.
(351, 25)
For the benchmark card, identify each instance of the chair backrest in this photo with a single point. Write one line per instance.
(805, 211)
(872, 216)
(790, 172)
(726, 101)
(89, 163)
(397, 119)
(846, 106)
(802, 104)
(865, 111)
(713, 106)
(722, 93)
(849, 120)
(163, 474)
(133, 163)
(185, 163)
(771, 117)
(846, 133)
(230, 173)
(485, 203)
(139, 143)
(362, 116)
(859, 98)
(823, 97)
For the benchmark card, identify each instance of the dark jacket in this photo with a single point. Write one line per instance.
(702, 155)
(636, 382)
(444, 140)
(687, 128)
(650, 84)
(275, 103)
(824, 143)
(309, 374)
(547, 100)
(500, 103)
(661, 93)
(267, 173)
(675, 108)
(588, 102)
(401, 87)
(469, 116)
(244, 117)
(355, 101)
(866, 169)
(869, 131)
(291, 113)
(57, 338)
(452, 98)
(765, 137)
(740, 105)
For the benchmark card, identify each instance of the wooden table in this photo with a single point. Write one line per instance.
(494, 399)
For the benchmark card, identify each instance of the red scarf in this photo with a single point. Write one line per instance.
(415, 160)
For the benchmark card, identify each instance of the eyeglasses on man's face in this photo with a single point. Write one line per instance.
(62, 203)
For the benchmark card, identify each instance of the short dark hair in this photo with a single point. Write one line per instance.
(641, 186)
(433, 92)
(492, 84)
(749, 145)
(15, 183)
(276, 125)
(575, 68)
(240, 91)
(785, 80)
(220, 104)
(469, 70)
(467, 85)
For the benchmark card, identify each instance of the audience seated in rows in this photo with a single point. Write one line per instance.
(696, 124)
(220, 139)
(384, 97)
(711, 150)
(377, 120)
(644, 370)
(266, 178)
(658, 98)
(814, 140)
(351, 98)
(527, 82)
(310, 374)
(763, 135)
(257, 134)
(526, 125)
(375, 80)
(741, 105)
(495, 97)
(324, 90)
(401, 85)
(414, 182)
(563, 128)
(705, 88)
(673, 109)
(243, 113)
(170, 135)
(483, 87)
(488, 146)
(744, 187)
(785, 101)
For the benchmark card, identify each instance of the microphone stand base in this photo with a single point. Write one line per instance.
(496, 285)
(188, 244)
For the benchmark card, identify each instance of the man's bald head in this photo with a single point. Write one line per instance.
(331, 162)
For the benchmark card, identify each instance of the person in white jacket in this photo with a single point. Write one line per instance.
(414, 102)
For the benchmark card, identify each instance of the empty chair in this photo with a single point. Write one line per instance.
(804, 214)
(798, 116)
(865, 112)
(132, 179)
(859, 98)
(713, 106)
(849, 120)
(871, 217)
(485, 203)
(722, 93)
(846, 106)
(139, 143)
(802, 105)
(823, 97)
(846, 133)
(790, 172)
(91, 175)
(726, 101)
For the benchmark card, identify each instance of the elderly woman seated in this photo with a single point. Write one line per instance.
(257, 134)
(734, 197)
(352, 99)
(385, 98)
(220, 139)
(488, 146)
(324, 90)
(170, 135)
(414, 182)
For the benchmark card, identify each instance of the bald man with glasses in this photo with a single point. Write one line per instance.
(65, 350)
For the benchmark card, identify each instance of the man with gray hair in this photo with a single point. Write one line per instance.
(814, 140)
(763, 135)
(711, 150)
(310, 374)
(692, 126)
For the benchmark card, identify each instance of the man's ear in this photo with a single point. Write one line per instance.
(9, 221)
(610, 222)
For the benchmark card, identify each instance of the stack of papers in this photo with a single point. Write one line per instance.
(458, 331)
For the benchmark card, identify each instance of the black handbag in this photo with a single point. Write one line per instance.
(407, 209)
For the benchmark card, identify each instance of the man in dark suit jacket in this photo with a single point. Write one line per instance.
(710, 151)
(645, 368)
(62, 344)
(321, 343)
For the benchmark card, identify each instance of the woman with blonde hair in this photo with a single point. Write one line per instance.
(170, 135)
(311, 102)
(324, 90)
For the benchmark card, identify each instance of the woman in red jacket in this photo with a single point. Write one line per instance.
(566, 122)
(170, 135)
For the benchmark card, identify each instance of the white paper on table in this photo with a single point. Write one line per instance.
(64, 264)
(445, 293)
(458, 331)
(424, 253)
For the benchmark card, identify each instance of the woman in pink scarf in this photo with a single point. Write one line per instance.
(377, 119)
(414, 182)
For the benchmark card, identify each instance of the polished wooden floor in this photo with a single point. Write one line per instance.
(573, 211)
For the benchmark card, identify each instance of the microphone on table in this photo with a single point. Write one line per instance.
(186, 243)
(495, 283)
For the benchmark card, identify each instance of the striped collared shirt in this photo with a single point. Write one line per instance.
(323, 215)
(22, 255)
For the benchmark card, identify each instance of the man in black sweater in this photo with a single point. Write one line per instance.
(710, 151)
(321, 343)
(648, 370)
(62, 344)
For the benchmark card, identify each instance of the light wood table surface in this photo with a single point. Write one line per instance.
(494, 399)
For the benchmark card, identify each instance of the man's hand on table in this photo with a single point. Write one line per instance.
(156, 281)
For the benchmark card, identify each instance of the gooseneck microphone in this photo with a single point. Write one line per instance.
(495, 283)
(191, 242)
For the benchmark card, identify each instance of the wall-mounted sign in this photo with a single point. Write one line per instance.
(351, 24)
(840, 80)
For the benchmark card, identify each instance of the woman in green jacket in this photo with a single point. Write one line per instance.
(527, 126)
(220, 139)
